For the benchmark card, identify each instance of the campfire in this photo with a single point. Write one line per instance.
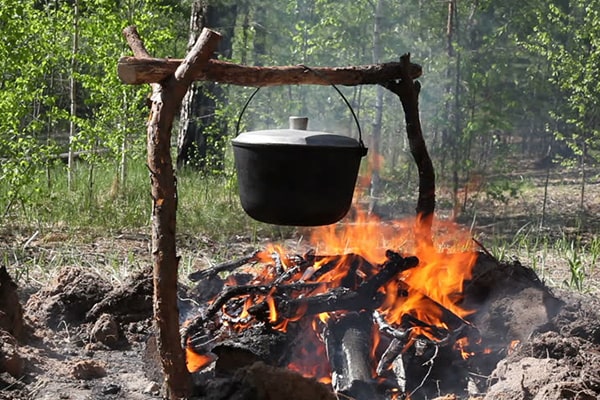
(374, 309)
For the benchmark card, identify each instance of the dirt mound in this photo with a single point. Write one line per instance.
(560, 362)
(70, 352)
(67, 298)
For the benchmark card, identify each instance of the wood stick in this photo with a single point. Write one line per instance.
(227, 266)
(348, 344)
(391, 353)
(408, 92)
(365, 297)
(166, 99)
(138, 70)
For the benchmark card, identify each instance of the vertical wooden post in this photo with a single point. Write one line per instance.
(166, 99)
(408, 92)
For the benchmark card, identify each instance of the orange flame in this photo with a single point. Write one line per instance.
(444, 262)
(195, 362)
(272, 309)
(461, 345)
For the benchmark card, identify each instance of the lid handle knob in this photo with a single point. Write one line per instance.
(300, 123)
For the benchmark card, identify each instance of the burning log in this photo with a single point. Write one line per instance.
(388, 362)
(280, 301)
(393, 350)
(194, 325)
(365, 297)
(260, 289)
(348, 343)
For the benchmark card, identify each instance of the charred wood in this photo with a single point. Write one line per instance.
(388, 329)
(425, 362)
(236, 291)
(391, 353)
(355, 261)
(227, 266)
(195, 324)
(348, 343)
(365, 297)
(395, 264)
(259, 343)
(260, 381)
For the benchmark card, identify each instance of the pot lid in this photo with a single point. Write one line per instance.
(294, 136)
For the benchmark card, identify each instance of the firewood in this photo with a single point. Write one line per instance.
(391, 353)
(227, 266)
(348, 343)
(365, 297)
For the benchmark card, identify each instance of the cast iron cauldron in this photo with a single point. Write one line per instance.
(295, 176)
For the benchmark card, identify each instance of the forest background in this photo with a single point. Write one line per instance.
(507, 87)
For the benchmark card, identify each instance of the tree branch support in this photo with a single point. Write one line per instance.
(408, 91)
(166, 99)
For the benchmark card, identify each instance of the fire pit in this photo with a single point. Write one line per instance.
(368, 322)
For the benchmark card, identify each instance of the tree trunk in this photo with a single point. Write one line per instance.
(73, 94)
(191, 147)
(583, 178)
(260, 33)
(196, 146)
(376, 136)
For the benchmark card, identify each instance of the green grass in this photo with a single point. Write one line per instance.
(211, 227)
(559, 258)
(66, 226)
(207, 205)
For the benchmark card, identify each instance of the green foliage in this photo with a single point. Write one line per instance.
(35, 57)
(544, 251)
(503, 188)
(508, 86)
(576, 267)
(568, 37)
(208, 204)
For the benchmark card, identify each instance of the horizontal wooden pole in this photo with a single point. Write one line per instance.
(139, 70)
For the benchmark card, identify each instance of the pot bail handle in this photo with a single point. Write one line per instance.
(360, 141)
(239, 121)
(320, 75)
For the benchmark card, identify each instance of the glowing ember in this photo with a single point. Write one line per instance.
(461, 345)
(196, 362)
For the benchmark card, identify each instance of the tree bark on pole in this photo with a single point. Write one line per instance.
(166, 99)
(408, 92)
(139, 70)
